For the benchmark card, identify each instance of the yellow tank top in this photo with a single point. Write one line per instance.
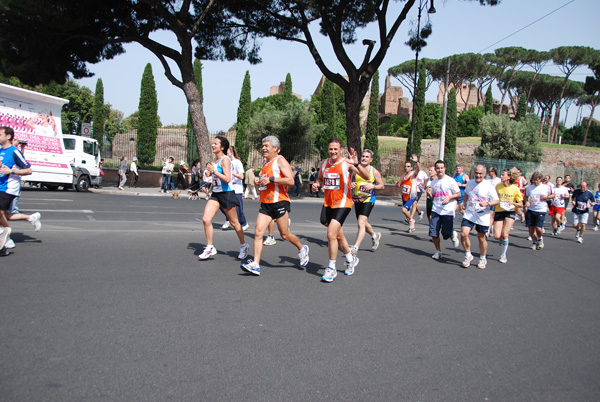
(359, 193)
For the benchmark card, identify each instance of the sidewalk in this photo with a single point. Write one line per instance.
(155, 192)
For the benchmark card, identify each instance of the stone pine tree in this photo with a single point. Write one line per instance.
(521, 107)
(419, 116)
(287, 88)
(193, 152)
(489, 101)
(148, 119)
(451, 133)
(99, 112)
(371, 136)
(243, 116)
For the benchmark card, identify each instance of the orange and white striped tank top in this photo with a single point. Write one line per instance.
(336, 183)
(272, 192)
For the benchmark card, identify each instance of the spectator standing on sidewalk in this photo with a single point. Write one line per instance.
(167, 169)
(249, 177)
(122, 172)
(133, 171)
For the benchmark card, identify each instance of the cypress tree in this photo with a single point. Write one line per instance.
(243, 116)
(287, 89)
(488, 107)
(419, 116)
(451, 132)
(99, 114)
(371, 136)
(521, 107)
(193, 152)
(148, 119)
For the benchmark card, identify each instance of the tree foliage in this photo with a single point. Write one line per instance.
(419, 117)
(489, 101)
(294, 126)
(451, 132)
(148, 119)
(330, 105)
(243, 116)
(100, 113)
(468, 122)
(503, 138)
(432, 120)
(371, 136)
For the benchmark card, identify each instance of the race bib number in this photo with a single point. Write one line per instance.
(473, 205)
(582, 205)
(534, 199)
(406, 189)
(262, 188)
(331, 181)
(363, 191)
(505, 205)
(216, 184)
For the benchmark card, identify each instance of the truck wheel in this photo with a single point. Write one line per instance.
(83, 184)
(51, 187)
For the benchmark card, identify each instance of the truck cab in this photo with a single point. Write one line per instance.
(84, 156)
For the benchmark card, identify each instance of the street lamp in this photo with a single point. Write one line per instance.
(417, 48)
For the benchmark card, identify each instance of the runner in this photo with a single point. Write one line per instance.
(363, 196)
(479, 195)
(583, 199)
(505, 213)
(422, 179)
(567, 183)
(521, 183)
(461, 178)
(444, 191)
(335, 173)
(276, 175)
(222, 195)
(495, 180)
(429, 201)
(557, 206)
(408, 184)
(596, 216)
(536, 195)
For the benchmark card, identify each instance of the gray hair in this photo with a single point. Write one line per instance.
(369, 151)
(271, 139)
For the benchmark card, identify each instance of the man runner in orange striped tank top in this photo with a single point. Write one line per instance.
(275, 177)
(335, 178)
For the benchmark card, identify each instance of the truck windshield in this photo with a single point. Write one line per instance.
(69, 144)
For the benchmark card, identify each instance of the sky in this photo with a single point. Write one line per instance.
(459, 26)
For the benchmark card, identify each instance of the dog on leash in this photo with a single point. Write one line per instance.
(176, 195)
(193, 195)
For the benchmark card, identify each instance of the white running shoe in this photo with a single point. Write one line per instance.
(411, 226)
(529, 238)
(534, 246)
(540, 243)
(467, 261)
(350, 266)
(353, 250)
(329, 275)
(34, 219)
(9, 243)
(579, 239)
(455, 240)
(595, 228)
(252, 267)
(226, 225)
(209, 251)
(375, 241)
(437, 255)
(4, 234)
(421, 216)
(503, 259)
(482, 263)
(245, 227)
(243, 251)
(269, 241)
(303, 256)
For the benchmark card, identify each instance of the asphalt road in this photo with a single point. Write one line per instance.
(109, 302)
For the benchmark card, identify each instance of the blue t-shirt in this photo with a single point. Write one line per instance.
(582, 200)
(13, 158)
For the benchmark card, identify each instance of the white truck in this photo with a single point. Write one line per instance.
(57, 160)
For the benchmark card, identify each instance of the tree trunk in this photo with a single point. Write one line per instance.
(196, 110)
(353, 101)
(587, 129)
(542, 117)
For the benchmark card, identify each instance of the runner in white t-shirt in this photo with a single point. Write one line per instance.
(444, 191)
(558, 205)
(479, 195)
(535, 198)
